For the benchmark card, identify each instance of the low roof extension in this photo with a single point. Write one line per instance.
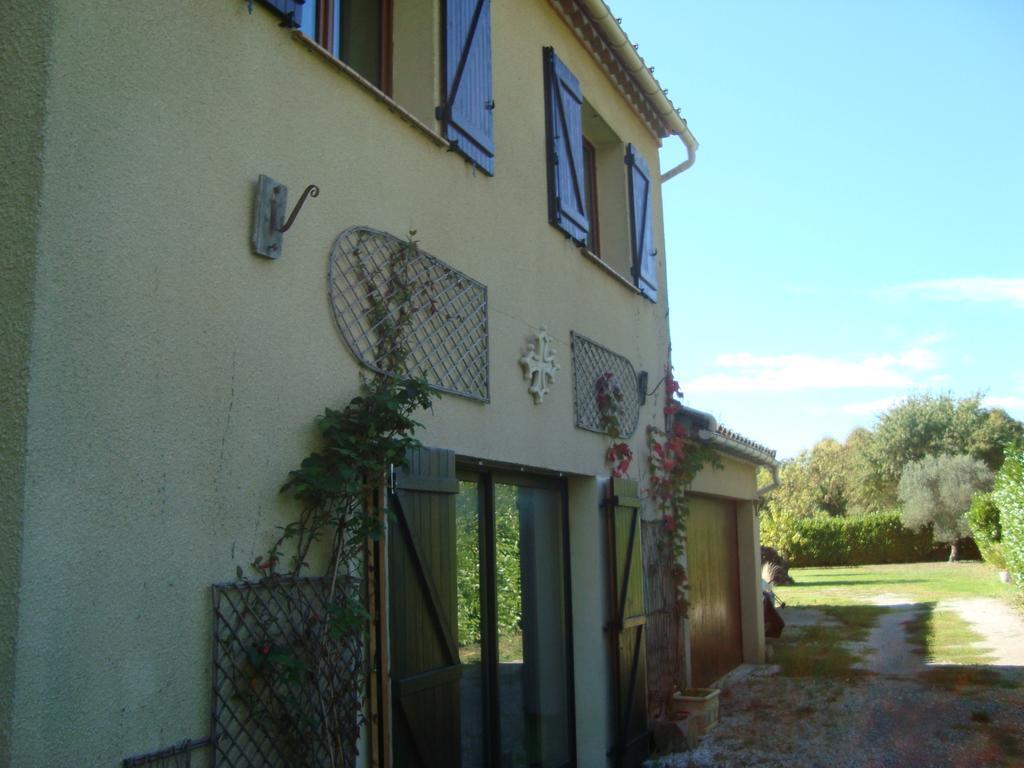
(705, 428)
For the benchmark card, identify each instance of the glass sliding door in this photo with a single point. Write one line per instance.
(468, 539)
(514, 623)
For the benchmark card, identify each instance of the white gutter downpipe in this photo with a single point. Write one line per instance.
(602, 17)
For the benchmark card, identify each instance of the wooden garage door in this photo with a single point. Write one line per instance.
(716, 635)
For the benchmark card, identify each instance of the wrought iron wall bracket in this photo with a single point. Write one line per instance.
(268, 225)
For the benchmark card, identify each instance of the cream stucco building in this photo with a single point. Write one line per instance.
(160, 378)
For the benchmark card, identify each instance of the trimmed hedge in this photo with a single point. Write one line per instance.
(983, 517)
(1009, 497)
(865, 540)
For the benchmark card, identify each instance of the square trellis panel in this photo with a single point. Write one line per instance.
(590, 361)
(268, 710)
(376, 280)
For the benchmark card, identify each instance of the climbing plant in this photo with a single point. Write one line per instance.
(673, 461)
(610, 406)
(335, 487)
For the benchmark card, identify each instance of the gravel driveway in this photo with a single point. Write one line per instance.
(896, 713)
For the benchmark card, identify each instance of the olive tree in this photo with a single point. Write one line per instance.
(937, 491)
(920, 426)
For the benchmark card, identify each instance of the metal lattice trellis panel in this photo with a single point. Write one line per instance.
(377, 282)
(591, 361)
(286, 691)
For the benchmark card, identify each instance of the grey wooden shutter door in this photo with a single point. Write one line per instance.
(425, 667)
(627, 624)
(567, 202)
(645, 255)
(468, 110)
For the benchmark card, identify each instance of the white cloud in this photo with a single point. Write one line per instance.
(1010, 403)
(874, 406)
(919, 359)
(787, 373)
(985, 289)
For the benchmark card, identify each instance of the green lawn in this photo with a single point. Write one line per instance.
(922, 582)
(847, 595)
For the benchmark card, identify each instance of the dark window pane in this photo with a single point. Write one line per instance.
(360, 36)
(350, 30)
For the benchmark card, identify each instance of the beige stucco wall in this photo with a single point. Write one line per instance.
(175, 376)
(24, 49)
(735, 479)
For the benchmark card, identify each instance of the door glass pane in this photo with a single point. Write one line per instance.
(531, 627)
(467, 547)
(509, 619)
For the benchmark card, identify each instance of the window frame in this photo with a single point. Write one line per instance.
(593, 204)
(325, 27)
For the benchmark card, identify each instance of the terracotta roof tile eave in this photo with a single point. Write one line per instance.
(613, 59)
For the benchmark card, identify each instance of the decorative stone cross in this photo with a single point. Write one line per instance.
(539, 366)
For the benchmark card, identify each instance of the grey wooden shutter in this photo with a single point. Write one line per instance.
(425, 667)
(627, 624)
(645, 255)
(567, 201)
(468, 110)
(290, 11)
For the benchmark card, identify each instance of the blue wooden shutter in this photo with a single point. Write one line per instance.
(645, 255)
(567, 202)
(468, 110)
(290, 11)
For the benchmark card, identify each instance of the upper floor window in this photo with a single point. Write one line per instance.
(589, 195)
(355, 31)
(392, 44)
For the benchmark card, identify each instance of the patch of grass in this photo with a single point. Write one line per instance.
(857, 620)
(944, 637)
(957, 678)
(816, 651)
(918, 582)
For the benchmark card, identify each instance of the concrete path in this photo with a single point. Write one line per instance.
(890, 652)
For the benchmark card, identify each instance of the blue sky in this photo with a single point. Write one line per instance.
(853, 229)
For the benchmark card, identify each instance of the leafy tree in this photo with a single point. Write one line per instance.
(507, 564)
(925, 425)
(1009, 497)
(983, 518)
(813, 482)
(937, 491)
